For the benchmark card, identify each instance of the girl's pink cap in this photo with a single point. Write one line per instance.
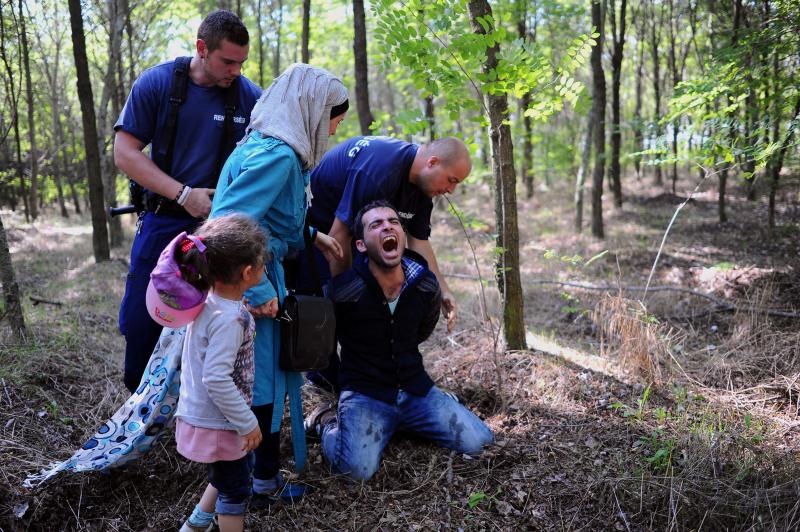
(165, 315)
(171, 301)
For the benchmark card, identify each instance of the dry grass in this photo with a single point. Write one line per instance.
(638, 338)
(582, 444)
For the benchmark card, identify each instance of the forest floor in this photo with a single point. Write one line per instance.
(679, 412)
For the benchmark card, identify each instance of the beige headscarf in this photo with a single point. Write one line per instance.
(296, 108)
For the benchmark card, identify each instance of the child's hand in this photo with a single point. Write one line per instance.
(252, 439)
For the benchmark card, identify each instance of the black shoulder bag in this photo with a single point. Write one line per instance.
(308, 324)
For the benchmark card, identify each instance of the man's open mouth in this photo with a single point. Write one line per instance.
(389, 243)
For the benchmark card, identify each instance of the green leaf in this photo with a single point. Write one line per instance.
(475, 499)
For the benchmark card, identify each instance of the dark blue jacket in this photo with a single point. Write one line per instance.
(380, 353)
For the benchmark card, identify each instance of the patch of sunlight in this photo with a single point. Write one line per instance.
(581, 358)
(75, 230)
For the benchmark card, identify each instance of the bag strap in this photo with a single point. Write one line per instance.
(177, 95)
(227, 140)
(312, 261)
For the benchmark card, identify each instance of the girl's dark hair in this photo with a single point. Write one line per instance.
(232, 242)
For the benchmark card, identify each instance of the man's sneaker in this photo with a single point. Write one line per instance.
(323, 413)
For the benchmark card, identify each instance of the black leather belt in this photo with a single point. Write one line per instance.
(161, 205)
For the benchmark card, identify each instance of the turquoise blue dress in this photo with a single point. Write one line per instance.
(264, 178)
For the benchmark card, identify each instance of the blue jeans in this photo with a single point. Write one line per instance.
(354, 442)
(232, 480)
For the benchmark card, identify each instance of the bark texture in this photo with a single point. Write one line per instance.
(507, 266)
(99, 229)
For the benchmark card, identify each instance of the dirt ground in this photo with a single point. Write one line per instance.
(671, 409)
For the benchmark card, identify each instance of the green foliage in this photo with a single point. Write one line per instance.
(440, 55)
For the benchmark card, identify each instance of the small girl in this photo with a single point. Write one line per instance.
(215, 425)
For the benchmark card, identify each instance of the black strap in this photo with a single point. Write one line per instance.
(312, 261)
(177, 95)
(226, 142)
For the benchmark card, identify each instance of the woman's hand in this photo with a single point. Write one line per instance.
(252, 439)
(265, 310)
(329, 247)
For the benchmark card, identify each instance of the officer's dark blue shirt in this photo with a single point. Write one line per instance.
(199, 126)
(364, 169)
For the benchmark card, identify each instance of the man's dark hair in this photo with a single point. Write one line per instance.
(222, 24)
(377, 204)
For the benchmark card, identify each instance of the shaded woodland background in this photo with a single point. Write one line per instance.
(634, 211)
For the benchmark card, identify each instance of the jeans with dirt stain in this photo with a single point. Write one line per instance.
(353, 443)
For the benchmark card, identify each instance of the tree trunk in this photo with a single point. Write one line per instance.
(580, 180)
(527, 147)
(526, 170)
(599, 115)
(507, 266)
(105, 122)
(13, 310)
(776, 161)
(638, 121)
(365, 118)
(260, 40)
(676, 78)
(304, 54)
(33, 155)
(73, 176)
(430, 118)
(616, 76)
(724, 172)
(655, 37)
(99, 229)
(55, 88)
(276, 58)
(13, 96)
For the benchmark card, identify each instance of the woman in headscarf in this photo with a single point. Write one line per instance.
(267, 177)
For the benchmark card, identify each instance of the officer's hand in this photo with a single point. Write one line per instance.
(198, 204)
(265, 310)
(329, 247)
(449, 309)
(252, 439)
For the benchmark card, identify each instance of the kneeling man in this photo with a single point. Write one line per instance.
(386, 305)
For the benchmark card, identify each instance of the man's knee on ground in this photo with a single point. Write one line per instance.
(360, 467)
(473, 441)
(360, 471)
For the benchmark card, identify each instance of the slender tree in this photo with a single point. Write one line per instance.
(656, 23)
(580, 180)
(618, 39)
(99, 229)
(638, 121)
(33, 155)
(305, 56)
(13, 93)
(507, 266)
(365, 117)
(599, 118)
(51, 63)
(108, 110)
(13, 310)
(526, 170)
